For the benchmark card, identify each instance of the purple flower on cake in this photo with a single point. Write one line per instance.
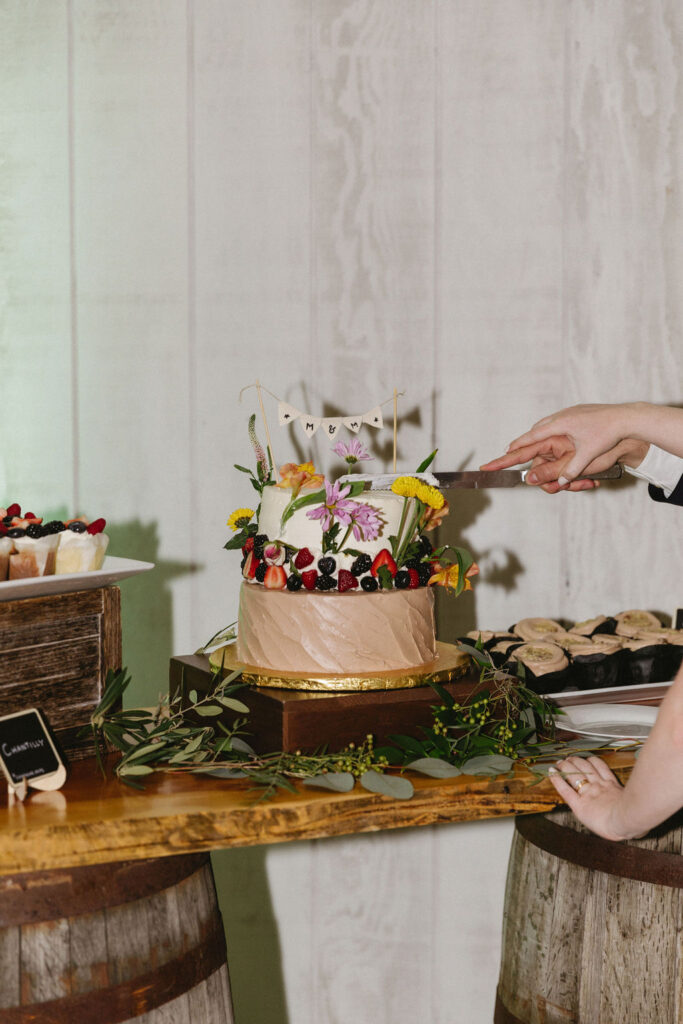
(337, 506)
(366, 521)
(352, 453)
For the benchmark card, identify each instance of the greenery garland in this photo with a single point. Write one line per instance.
(500, 724)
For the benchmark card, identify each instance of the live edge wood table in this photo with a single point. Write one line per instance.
(107, 905)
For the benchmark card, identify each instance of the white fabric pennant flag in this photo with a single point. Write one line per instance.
(286, 413)
(353, 423)
(309, 424)
(374, 417)
(331, 427)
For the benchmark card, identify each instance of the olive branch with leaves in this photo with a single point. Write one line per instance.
(500, 724)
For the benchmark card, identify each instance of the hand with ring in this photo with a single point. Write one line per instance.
(591, 790)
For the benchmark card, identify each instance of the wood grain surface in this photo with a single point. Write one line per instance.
(93, 820)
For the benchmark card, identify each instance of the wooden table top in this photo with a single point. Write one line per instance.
(93, 820)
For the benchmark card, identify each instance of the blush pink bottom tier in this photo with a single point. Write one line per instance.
(335, 634)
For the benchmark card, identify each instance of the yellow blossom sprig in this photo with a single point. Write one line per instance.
(411, 487)
(425, 497)
(240, 518)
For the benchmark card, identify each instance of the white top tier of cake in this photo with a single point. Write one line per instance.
(300, 531)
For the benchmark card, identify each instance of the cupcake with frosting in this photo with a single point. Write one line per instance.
(35, 548)
(82, 545)
(6, 549)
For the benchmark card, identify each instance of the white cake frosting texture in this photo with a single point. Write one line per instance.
(300, 531)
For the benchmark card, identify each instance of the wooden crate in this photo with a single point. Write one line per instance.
(54, 655)
(306, 720)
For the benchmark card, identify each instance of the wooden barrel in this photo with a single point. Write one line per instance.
(592, 929)
(114, 943)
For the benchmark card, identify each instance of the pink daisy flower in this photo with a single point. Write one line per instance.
(352, 452)
(366, 522)
(337, 506)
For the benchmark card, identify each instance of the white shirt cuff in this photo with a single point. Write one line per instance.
(659, 468)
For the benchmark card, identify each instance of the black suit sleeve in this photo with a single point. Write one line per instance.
(675, 498)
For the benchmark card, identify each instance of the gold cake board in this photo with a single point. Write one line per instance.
(449, 664)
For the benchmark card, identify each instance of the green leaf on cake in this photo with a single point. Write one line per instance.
(385, 578)
(387, 785)
(426, 463)
(317, 498)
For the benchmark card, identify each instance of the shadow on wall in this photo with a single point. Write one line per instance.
(146, 609)
(251, 934)
(499, 566)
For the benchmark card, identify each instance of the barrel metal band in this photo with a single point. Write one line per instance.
(598, 854)
(132, 998)
(501, 1014)
(36, 896)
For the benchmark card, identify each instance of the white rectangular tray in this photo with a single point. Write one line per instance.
(113, 569)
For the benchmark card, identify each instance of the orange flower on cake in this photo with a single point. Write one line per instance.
(434, 517)
(449, 576)
(297, 477)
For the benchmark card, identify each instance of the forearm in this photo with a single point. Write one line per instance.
(654, 790)
(661, 425)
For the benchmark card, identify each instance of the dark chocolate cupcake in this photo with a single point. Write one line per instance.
(546, 666)
(602, 624)
(544, 630)
(643, 662)
(635, 621)
(500, 652)
(594, 663)
(671, 656)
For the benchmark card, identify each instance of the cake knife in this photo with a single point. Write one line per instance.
(479, 479)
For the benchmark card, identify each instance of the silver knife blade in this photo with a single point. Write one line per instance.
(480, 479)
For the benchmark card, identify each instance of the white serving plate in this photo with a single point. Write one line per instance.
(608, 721)
(618, 693)
(113, 569)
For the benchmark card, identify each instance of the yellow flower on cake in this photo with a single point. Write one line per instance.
(406, 486)
(411, 487)
(240, 518)
(298, 476)
(430, 496)
(449, 575)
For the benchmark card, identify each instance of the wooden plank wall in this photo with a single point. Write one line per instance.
(475, 201)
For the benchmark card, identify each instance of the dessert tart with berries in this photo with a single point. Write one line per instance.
(30, 547)
(339, 577)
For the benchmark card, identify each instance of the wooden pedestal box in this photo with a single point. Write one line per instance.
(307, 720)
(54, 655)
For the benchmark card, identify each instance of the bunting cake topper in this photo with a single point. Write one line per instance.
(329, 425)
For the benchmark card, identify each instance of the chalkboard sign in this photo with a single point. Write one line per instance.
(27, 752)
